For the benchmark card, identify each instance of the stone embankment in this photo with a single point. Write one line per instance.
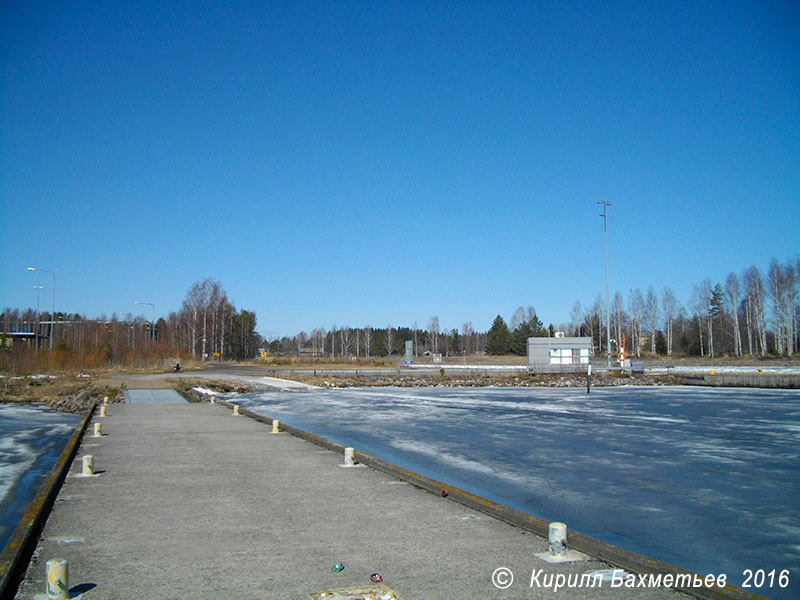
(485, 380)
(80, 402)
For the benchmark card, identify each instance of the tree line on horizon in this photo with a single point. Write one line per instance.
(746, 315)
(370, 342)
(208, 326)
(751, 314)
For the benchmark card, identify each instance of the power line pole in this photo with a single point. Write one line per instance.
(53, 306)
(606, 204)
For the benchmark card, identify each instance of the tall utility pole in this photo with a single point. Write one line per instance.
(53, 306)
(38, 289)
(608, 311)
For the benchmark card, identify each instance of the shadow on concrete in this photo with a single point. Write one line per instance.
(77, 591)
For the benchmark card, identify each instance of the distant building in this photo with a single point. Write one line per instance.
(559, 354)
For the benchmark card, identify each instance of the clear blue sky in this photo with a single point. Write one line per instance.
(353, 163)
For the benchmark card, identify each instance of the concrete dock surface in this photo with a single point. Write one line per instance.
(191, 501)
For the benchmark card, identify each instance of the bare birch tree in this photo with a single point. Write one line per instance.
(576, 317)
(345, 336)
(732, 288)
(636, 310)
(699, 304)
(775, 291)
(389, 339)
(517, 319)
(318, 341)
(433, 332)
(754, 291)
(192, 305)
(617, 312)
(669, 302)
(651, 306)
(367, 340)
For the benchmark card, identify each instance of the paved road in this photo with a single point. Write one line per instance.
(193, 502)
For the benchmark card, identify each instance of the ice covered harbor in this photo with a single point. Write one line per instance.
(706, 479)
(703, 478)
(31, 439)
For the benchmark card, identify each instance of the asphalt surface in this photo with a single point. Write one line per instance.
(193, 502)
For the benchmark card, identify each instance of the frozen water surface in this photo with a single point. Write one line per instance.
(32, 438)
(704, 478)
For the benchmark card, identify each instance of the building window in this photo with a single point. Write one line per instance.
(569, 356)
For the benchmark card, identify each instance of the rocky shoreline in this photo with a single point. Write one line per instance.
(80, 402)
(484, 380)
(76, 397)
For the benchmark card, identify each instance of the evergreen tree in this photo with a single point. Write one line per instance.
(519, 343)
(537, 327)
(453, 343)
(498, 339)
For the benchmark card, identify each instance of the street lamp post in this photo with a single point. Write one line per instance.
(53, 305)
(38, 289)
(608, 312)
(153, 325)
(131, 331)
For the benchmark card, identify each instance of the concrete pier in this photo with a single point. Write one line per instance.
(191, 503)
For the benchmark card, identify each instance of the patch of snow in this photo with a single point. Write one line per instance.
(206, 392)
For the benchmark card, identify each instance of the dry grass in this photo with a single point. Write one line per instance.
(47, 387)
(48, 391)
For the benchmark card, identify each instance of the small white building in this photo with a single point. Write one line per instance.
(559, 354)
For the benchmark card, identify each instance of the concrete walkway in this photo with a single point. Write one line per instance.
(156, 396)
(193, 502)
(253, 377)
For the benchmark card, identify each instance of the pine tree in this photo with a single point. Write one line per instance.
(519, 343)
(498, 339)
(453, 343)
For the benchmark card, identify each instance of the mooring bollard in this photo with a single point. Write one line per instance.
(97, 430)
(557, 536)
(57, 571)
(88, 465)
(102, 411)
(236, 410)
(276, 426)
(557, 541)
(349, 457)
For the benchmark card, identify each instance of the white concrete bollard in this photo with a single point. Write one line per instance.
(57, 571)
(349, 457)
(97, 430)
(105, 400)
(102, 411)
(276, 426)
(88, 465)
(236, 410)
(212, 400)
(557, 551)
(557, 537)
